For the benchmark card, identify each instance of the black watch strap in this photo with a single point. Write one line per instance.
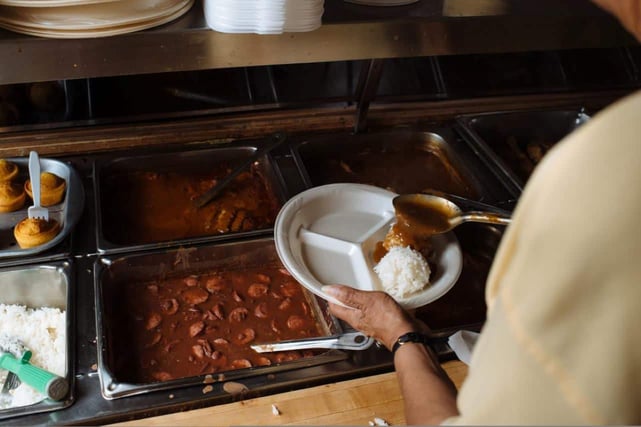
(413, 337)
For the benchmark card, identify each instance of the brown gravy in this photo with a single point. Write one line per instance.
(201, 324)
(422, 218)
(416, 222)
(147, 207)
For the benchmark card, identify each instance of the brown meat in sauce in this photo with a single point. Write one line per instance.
(148, 207)
(177, 329)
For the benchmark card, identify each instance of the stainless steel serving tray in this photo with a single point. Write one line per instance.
(36, 286)
(489, 135)
(67, 213)
(185, 160)
(110, 272)
(457, 175)
(464, 304)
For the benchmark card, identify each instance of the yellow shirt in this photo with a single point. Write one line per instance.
(562, 341)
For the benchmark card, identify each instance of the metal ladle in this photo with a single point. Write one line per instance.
(428, 214)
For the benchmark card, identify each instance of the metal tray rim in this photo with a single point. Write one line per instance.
(104, 247)
(489, 156)
(111, 390)
(438, 131)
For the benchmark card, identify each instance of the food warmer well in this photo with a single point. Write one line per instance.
(469, 125)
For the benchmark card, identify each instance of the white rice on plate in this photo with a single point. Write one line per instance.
(41, 330)
(403, 272)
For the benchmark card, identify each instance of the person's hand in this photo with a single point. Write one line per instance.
(376, 314)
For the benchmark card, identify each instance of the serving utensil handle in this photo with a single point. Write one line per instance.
(34, 176)
(486, 217)
(211, 194)
(53, 386)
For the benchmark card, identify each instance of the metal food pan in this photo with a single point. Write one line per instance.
(112, 274)
(401, 160)
(67, 212)
(503, 138)
(39, 286)
(183, 163)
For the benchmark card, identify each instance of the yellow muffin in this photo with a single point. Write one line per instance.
(12, 196)
(52, 189)
(31, 232)
(8, 170)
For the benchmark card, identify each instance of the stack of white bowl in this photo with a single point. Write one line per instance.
(263, 16)
(72, 19)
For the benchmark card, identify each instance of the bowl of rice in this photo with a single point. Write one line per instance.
(329, 235)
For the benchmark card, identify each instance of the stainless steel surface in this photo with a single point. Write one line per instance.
(36, 286)
(110, 272)
(462, 307)
(346, 341)
(176, 161)
(349, 32)
(489, 134)
(451, 215)
(67, 213)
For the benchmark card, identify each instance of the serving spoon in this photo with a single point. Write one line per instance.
(212, 193)
(428, 214)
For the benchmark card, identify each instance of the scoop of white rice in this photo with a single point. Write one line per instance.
(403, 272)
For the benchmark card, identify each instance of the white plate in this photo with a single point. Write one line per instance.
(91, 16)
(327, 235)
(50, 3)
(103, 32)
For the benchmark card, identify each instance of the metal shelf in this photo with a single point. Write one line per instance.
(349, 32)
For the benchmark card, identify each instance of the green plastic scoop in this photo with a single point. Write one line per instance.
(53, 386)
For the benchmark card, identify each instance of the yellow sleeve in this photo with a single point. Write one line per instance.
(561, 344)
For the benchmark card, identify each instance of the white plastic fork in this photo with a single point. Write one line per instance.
(36, 211)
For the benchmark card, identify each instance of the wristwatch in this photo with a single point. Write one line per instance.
(414, 337)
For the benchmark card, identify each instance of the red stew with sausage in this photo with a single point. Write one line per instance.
(200, 324)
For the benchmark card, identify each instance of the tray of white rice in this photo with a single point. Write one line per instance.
(330, 235)
(34, 309)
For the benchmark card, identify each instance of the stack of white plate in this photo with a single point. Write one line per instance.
(263, 16)
(71, 19)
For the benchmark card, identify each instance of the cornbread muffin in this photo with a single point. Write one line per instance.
(52, 189)
(8, 170)
(31, 232)
(12, 196)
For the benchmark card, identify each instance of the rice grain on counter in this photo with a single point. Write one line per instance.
(43, 331)
(403, 272)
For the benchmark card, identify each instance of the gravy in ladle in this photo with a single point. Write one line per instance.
(417, 220)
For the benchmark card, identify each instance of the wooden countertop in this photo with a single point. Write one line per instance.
(353, 402)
